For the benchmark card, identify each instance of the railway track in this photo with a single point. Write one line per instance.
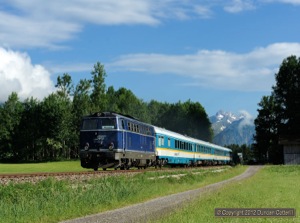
(83, 175)
(35, 177)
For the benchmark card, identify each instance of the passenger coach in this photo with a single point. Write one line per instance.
(176, 149)
(112, 140)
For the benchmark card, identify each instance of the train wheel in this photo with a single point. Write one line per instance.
(96, 168)
(104, 168)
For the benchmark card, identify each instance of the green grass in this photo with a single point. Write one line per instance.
(272, 187)
(41, 167)
(52, 201)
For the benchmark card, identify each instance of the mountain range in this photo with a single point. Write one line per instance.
(230, 128)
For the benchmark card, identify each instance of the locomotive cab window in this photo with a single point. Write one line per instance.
(108, 123)
(99, 123)
(88, 124)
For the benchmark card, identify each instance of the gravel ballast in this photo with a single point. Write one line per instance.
(155, 208)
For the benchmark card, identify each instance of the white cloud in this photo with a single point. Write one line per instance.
(33, 23)
(248, 120)
(48, 24)
(252, 71)
(293, 2)
(239, 5)
(203, 11)
(18, 74)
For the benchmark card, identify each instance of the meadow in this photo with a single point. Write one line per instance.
(63, 166)
(271, 187)
(52, 201)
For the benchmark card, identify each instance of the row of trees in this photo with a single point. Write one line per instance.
(279, 113)
(34, 130)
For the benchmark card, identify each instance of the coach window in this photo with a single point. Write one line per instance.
(169, 142)
(161, 140)
(128, 125)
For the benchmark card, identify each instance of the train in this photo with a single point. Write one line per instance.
(113, 140)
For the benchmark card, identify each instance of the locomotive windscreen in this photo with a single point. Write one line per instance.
(99, 123)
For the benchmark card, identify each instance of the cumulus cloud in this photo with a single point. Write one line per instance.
(18, 74)
(252, 71)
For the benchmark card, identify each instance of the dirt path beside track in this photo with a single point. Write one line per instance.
(144, 212)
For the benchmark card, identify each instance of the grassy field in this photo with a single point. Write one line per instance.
(52, 201)
(272, 187)
(41, 167)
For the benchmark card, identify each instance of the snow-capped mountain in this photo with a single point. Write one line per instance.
(230, 128)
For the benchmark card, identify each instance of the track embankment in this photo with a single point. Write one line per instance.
(153, 209)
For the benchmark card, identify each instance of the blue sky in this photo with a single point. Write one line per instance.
(223, 54)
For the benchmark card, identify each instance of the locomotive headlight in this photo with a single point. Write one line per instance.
(111, 146)
(86, 147)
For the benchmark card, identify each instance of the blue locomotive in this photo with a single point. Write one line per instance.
(111, 140)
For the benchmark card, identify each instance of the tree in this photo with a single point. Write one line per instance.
(156, 110)
(10, 116)
(81, 101)
(64, 85)
(266, 127)
(56, 121)
(29, 131)
(188, 118)
(287, 97)
(279, 116)
(98, 98)
(125, 102)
